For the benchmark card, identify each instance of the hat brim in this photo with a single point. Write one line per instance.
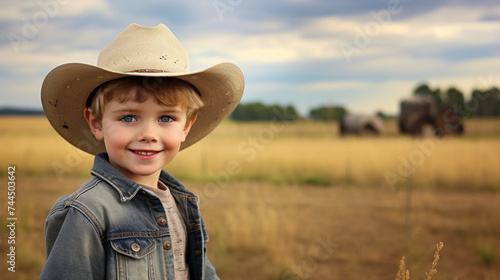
(67, 87)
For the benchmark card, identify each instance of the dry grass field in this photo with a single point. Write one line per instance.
(295, 200)
(291, 153)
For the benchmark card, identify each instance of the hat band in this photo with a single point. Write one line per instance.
(161, 71)
(148, 71)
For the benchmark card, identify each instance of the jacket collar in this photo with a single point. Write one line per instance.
(123, 185)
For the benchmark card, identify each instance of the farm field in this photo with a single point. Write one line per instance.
(263, 231)
(296, 201)
(282, 153)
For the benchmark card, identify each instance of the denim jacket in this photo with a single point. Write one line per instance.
(112, 228)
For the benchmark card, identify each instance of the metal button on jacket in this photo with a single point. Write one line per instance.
(167, 245)
(135, 247)
(162, 221)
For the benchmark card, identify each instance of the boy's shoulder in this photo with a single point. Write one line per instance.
(93, 194)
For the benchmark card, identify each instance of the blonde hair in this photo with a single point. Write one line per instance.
(166, 91)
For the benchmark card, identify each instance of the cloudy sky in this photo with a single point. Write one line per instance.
(365, 55)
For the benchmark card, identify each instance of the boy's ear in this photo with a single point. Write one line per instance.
(94, 124)
(187, 128)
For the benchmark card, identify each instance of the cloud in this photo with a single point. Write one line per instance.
(39, 12)
(280, 47)
(71, 8)
(290, 51)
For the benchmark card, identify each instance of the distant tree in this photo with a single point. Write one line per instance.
(381, 115)
(333, 113)
(20, 111)
(485, 103)
(291, 112)
(475, 103)
(492, 102)
(454, 97)
(424, 89)
(260, 112)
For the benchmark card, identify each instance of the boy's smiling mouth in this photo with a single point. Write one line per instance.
(144, 153)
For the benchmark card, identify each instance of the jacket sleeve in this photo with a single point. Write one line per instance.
(210, 273)
(73, 247)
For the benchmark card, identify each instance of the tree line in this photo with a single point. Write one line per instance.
(481, 103)
(258, 111)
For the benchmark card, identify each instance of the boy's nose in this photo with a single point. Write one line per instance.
(148, 134)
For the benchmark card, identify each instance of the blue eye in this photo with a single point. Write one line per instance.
(166, 119)
(128, 119)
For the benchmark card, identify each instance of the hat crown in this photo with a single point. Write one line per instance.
(141, 49)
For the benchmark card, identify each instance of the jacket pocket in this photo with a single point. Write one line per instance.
(134, 258)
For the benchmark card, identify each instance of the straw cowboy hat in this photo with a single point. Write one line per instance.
(137, 51)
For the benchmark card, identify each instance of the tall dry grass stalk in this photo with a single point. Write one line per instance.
(404, 274)
(433, 270)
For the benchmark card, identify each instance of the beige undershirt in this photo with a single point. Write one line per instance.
(177, 229)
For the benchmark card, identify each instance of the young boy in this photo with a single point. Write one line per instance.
(135, 110)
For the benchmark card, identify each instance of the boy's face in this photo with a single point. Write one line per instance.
(141, 138)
